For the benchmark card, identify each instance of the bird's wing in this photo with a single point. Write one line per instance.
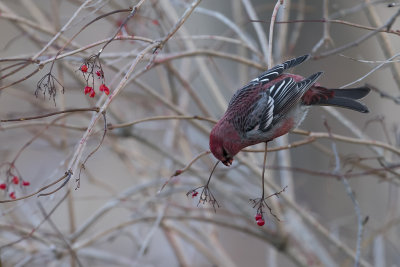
(261, 114)
(266, 77)
(275, 103)
(287, 93)
(265, 111)
(274, 72)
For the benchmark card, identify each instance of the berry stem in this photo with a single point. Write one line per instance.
(263, 171)
(206, 194)
(212, 171)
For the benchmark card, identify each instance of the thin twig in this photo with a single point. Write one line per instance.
(158, 118)
(187, 167)
(360, 40)
(259, 30)
(32, 232)
(395, 99)
(371, 71)
(326, 38)
(59, 233)
(350, 193)
(342, 138)
(96, 109)
(271, 32)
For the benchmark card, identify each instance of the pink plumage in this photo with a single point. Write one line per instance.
(271, 105)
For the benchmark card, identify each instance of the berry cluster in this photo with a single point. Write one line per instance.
(91, 69)
(14, 181)
(89, 90)
(259, 216)
(259, 219)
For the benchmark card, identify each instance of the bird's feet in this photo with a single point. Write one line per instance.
(205, 196)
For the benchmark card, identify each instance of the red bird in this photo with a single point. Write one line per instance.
(271, 105)
(267, 107)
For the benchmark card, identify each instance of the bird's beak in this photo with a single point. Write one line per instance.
(228, 162)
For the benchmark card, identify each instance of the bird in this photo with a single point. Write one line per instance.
(270, 106)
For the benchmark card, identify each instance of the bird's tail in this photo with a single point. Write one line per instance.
(352, 93)
(345, 98)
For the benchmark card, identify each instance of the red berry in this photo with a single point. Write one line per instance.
(258, 216)
(26, 183)
(99, 73)
(104, 88)
(155, 22)
(92, 93)
(260, 222)
(194, 194)
(84, 68)
(3, 186)
(88, 89)
(15, 180)
(12, 195)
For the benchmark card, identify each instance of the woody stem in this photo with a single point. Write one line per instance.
(212, 171)
(263, 171)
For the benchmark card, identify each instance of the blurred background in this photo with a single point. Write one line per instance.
(171, 67)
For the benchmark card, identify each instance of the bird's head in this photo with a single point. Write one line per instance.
(220, 147)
